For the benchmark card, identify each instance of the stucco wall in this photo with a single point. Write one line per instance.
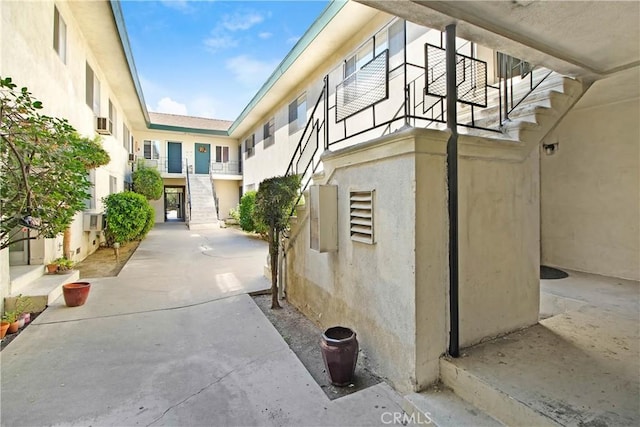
(381, 290)
(228, 192)
(27, 55)
(590, 188)
(499, 287)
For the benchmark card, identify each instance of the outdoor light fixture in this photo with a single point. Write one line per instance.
(550, 149)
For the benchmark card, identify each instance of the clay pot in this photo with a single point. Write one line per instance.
(4, 326)
(76, 293)
(13, 327)
(52, 268)
(340, 353)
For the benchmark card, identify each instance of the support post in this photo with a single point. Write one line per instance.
(452, 187)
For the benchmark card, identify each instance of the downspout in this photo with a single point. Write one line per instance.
(452, 189)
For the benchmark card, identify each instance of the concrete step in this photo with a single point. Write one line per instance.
(439, 406)
(22, 275)
(42, 291)
(489, 397)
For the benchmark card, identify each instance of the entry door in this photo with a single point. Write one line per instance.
(174, 162)
(203, 158)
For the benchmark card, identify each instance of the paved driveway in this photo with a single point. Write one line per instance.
(173, 340)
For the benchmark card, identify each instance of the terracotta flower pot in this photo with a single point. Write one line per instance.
(13, 327)
(52, 268)
(4, 326)
(76, 293)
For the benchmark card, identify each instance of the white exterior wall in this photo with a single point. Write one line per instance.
(228, 193)
(27, 55)
(590, 188)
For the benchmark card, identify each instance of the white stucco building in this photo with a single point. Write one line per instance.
(545, 168)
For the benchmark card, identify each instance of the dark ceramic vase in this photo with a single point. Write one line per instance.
(340, 353)
(76, 293)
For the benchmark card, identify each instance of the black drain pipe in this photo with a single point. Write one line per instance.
(452, 187)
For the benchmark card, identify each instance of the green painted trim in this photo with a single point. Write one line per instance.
(309, 36)
(126, 47)
(155, 126)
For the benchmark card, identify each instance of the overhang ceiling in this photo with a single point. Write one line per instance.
(588, 39)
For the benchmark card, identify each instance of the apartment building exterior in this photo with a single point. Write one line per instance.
(359, 108)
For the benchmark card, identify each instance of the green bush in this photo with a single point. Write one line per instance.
(129, 217)
(246, 210)
(148, 182)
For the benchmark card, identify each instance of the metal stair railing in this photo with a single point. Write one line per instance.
(186, 167)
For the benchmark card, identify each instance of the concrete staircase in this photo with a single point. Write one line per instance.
(203, 209)
(41, 289)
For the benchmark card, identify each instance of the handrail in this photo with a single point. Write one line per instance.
(186, 164)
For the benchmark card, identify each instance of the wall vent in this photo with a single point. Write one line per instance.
(361, 216)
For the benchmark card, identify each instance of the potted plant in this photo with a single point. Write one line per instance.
(4, 326)
(64, 264)
(12, 318)
(52, 267)
(24, 307)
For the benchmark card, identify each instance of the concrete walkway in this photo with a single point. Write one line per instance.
(173, 340)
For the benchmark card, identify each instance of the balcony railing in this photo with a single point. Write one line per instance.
(166, 166)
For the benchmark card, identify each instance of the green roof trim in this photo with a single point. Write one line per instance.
(124, 39)
(154, 126)
(309, 36)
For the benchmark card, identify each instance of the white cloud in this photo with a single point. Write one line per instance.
(219, 42)
(293, 40)
(204, 106)
(265, 35)
(241, 20)
(169, 106)
(181, 5)
(249, 71)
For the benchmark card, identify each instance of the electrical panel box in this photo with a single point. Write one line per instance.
(323, 217)
(93, 221)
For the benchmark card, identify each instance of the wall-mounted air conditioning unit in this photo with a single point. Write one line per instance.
(132, 157)
(93, 221)
(103, 125)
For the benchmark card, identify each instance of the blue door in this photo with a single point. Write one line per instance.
(203, 158)
(174, 161)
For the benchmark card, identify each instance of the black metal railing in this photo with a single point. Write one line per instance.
(186, 168)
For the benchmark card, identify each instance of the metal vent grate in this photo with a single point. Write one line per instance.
(361, 216)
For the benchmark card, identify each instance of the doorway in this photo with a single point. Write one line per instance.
(174, 204)
(174, 154)
(202, 158)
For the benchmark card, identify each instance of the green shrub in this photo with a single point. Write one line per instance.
(148, 182)
(129, 217)
(247, 219)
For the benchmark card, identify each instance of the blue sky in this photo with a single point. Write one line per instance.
(208, 58)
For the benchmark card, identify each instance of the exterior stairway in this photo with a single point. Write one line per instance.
(203, 210)
(462, 397)
(41, 289)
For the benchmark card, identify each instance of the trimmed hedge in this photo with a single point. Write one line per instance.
(129, 217)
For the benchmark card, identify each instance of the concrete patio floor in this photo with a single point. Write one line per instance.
(173, 340)
(579, 366)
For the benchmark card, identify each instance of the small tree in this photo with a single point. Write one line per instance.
(274, 201)
(43, 167)
(129, 217)
(148, 182)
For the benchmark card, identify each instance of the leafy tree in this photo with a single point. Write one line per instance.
(148, 182)
(43, 167)
(274, 201)
(129, 217)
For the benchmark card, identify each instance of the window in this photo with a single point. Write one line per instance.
(249, 145)
(361, 216)
(92, 90)
(113, 184)
(125, 138)
(268, 133)
(90, 203)
(59, 35)
(298, 114)
(222, 154)
(357, 61)
(112, 120)
(151, 150)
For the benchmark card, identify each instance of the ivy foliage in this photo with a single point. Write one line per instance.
(44, 167)
(273, 204)
(129, 217)
(148, 182)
